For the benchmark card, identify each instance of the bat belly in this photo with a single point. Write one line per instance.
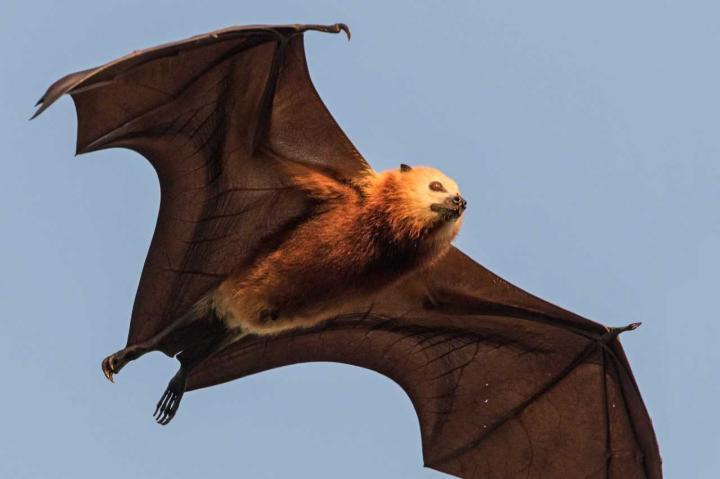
(254, 312)
(308, 281)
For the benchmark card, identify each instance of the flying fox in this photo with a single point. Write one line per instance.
(277, 243)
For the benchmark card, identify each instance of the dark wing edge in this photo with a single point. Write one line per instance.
(75, 82)
(213, 114)
(504, 384)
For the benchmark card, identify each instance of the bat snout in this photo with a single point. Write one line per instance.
(451, 208)
(459, 202)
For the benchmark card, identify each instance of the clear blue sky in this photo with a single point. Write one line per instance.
(584, 135)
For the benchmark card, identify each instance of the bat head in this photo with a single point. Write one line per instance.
(429, 195)
(420, 200)
(417, 201)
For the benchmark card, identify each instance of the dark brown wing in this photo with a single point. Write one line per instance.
(210, 113)
(505, 385)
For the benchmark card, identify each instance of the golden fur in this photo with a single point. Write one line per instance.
(362, 237)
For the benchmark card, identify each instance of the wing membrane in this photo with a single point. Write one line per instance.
(504, 383)
(212, 114)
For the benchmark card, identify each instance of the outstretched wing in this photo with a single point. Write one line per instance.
(505, 384)
(211, 113)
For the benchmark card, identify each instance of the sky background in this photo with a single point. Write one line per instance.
(584, 136)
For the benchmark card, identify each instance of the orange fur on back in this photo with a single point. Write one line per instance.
(362, 238)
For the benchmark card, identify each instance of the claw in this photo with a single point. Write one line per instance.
(107, 368)
(112, 364)
(344, 28)
(334, 28)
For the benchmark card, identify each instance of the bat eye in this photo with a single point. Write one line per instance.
(437, 186)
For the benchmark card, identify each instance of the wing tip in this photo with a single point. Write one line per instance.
(64, 85)
(42, 104)
(46, 100)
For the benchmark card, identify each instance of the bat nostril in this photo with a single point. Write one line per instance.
(459, 201)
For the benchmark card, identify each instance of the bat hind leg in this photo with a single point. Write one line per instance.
(169, 403)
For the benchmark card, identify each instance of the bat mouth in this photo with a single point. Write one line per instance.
(450, 209)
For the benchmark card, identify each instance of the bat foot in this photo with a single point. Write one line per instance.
(169, 403)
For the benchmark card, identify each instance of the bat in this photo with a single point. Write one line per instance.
(276, 243)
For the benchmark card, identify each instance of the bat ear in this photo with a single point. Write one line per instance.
(405, 168)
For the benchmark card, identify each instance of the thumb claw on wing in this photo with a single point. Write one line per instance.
(107, 371)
